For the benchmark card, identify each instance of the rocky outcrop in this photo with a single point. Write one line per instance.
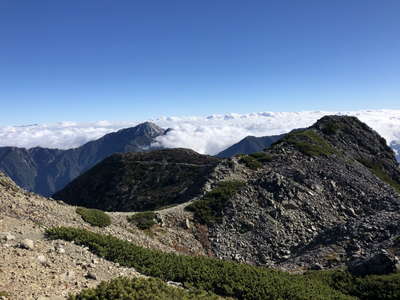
(324, 190)
(45, 171)
(141, 181)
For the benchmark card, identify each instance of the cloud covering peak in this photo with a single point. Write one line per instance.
(210, 134)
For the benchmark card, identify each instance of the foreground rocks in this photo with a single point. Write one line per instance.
(32, 267)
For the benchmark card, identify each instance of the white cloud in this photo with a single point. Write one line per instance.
(203, 134)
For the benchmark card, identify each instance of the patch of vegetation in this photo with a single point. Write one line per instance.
(4, 294)
(225, 278)
(378, 171)
(94, 217)
(250, 162)
(256, 160)
(143, 220)
(310, 143)
(262, 157)
(208, 209)
(372, 287)
(331, 128)
(140, 289)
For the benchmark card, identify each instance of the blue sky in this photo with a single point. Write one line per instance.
(133, 60)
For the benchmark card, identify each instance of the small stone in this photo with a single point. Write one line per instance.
(27, 244)
(42, 259)
(316, 267)
(6, 236)
(174, 283)
(91, 275)
(187, 223)
(59, 249)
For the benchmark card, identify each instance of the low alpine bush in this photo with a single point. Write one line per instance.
(140, 289)
(143, 220)
(224, 278)
(94, 217)
(208, 209)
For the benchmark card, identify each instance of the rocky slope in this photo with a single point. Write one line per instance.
(33, 267)
(250, 144)
(328, 196)
(141, 181)
(45, 171)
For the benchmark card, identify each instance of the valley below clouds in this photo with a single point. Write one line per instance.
(206, 135)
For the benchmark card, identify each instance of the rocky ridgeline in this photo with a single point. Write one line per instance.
(327, 197)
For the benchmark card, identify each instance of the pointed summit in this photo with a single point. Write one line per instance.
(45, 171)
(146, 129)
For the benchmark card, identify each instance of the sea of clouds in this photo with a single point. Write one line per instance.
(209, 135)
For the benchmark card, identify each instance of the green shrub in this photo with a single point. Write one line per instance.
(4, 294)
(379, 172)
(373, 287)
(224, 278)
(140, 289)
(208, 209)
(94, 217)
(250, 162)
(262, 157)
(256, 160)
(331, 128)
(143, 220)
(309, 142)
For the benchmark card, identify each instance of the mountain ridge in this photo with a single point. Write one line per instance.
(250, 144)
(45, 170)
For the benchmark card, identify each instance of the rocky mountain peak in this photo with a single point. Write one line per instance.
(148, 129)
(313, 182)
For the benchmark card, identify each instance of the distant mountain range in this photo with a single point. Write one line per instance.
(45, 171)
(250, 144)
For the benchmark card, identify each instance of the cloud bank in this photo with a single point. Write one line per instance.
(209, 135)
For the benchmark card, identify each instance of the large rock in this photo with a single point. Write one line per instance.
(380, 263)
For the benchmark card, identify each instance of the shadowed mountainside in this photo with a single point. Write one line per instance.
(250, 144)
(140, 181)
